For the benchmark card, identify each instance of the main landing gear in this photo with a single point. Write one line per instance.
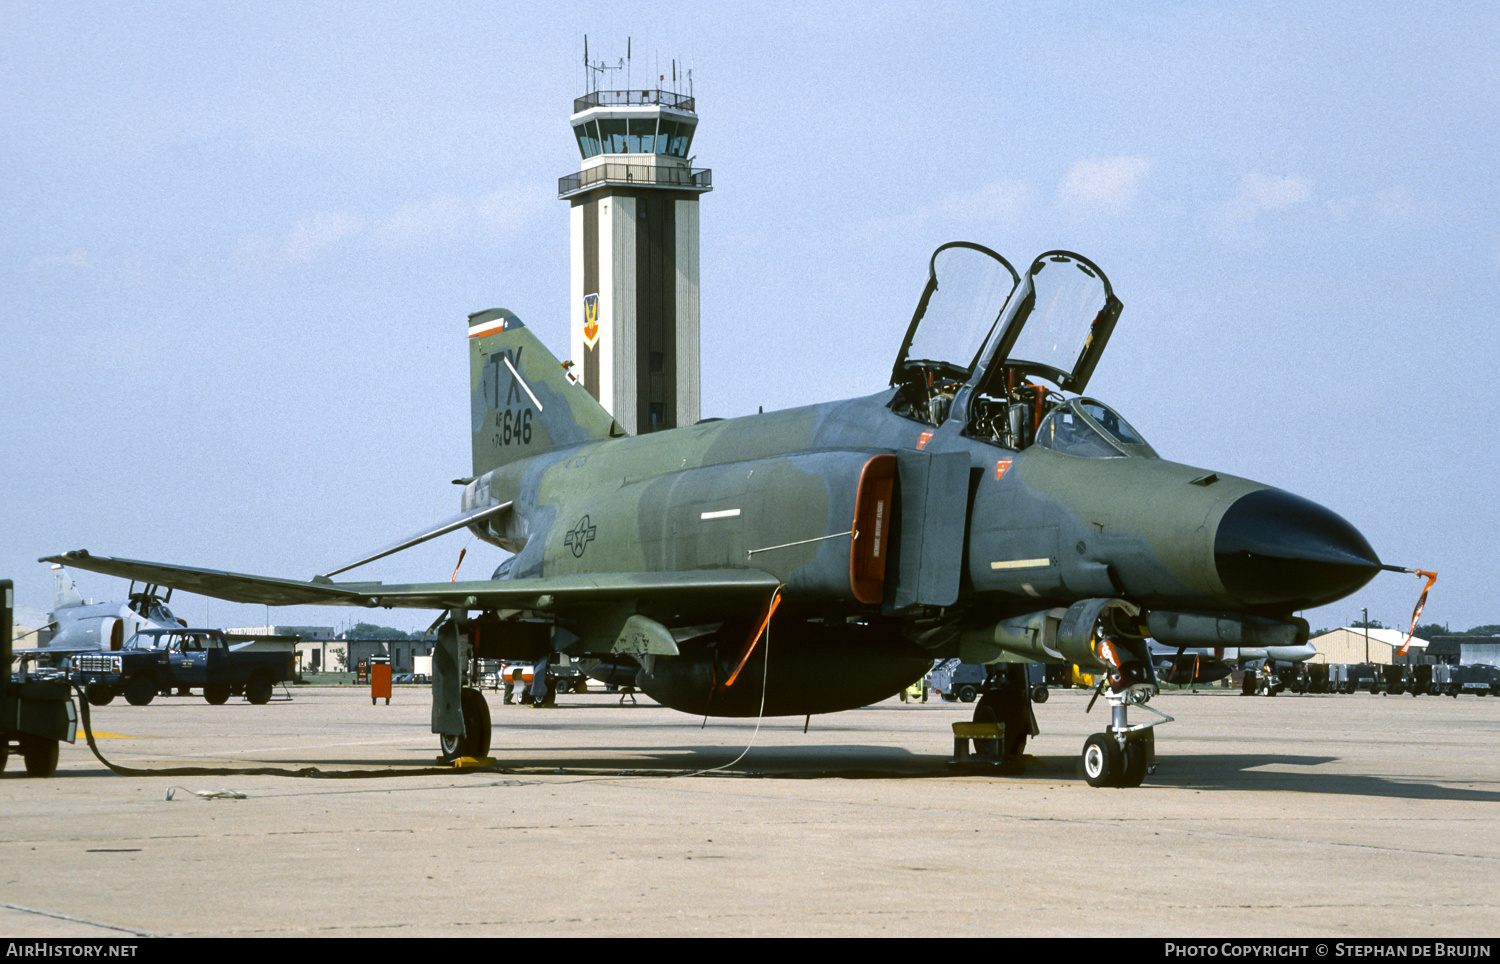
(460, 714)
(1007, 699)
(1125, 752)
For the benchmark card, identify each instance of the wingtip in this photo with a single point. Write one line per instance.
(66, 556)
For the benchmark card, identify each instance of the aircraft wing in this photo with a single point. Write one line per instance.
(688, 591)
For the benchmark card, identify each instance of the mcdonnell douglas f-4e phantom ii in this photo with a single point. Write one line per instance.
(966, 510)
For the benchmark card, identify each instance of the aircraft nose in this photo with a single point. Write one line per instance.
(1273, 548)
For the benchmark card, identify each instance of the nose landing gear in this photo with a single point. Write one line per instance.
(1125, 752)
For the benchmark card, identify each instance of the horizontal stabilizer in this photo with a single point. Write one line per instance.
(705, 591)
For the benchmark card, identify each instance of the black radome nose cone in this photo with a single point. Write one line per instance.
(1274, 548)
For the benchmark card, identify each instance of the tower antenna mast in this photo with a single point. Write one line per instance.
(594, 71)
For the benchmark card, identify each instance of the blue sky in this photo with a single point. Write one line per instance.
(241, 241)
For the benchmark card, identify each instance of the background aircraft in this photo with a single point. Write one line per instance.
(76, 626)
(1203, 664)
(820, 558)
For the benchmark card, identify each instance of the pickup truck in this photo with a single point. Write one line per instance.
(163, 660)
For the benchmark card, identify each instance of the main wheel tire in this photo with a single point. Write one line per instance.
(477, 727)
(40, 755)
(1133, 770)
(991, 709)
(259, 689)
(216, 695)
(1102, 765)
(140, 691)
(99, 695)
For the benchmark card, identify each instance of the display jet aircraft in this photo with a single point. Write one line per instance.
(818, 559)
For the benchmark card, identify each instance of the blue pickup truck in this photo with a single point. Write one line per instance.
(165, 660)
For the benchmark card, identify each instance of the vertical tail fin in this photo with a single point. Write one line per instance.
(65, 594)
(522, 401)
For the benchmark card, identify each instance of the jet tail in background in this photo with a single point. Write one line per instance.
(65, 594)
(522, 401)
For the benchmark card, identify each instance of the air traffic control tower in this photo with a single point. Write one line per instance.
(635, 255)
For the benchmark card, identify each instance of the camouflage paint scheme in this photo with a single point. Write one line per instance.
(965, 510)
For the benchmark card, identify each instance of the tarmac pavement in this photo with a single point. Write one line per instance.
(1299, 815)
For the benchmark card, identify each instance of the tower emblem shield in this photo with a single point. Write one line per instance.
(591, 320)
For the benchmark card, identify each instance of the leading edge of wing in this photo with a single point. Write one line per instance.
(459, 521)
(234, 586)
(551, 592)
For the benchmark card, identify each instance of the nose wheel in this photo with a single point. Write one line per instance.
(1115, 759)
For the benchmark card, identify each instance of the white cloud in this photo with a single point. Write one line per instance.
(309, 239)
(513, 207)
(447, 217)
(1263, 192)
(1002, 200)
(441, 219)
(1104, 184)
(1275, 192)
(1397, 204)
(65, 264)
(1344, 208)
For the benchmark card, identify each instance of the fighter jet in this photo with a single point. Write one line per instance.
(75, 626)
(818, 559)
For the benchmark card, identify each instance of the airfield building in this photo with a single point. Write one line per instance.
(1358, 645)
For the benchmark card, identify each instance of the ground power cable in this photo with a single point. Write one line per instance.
(269, 771)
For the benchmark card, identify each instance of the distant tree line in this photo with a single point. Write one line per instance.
(372, 631)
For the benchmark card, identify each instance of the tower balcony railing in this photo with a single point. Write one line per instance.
(638, 175)
(633, 98)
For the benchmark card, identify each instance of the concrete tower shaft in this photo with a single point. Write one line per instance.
(634, 252)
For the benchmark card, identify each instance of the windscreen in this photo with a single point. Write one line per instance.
(1091, 429)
